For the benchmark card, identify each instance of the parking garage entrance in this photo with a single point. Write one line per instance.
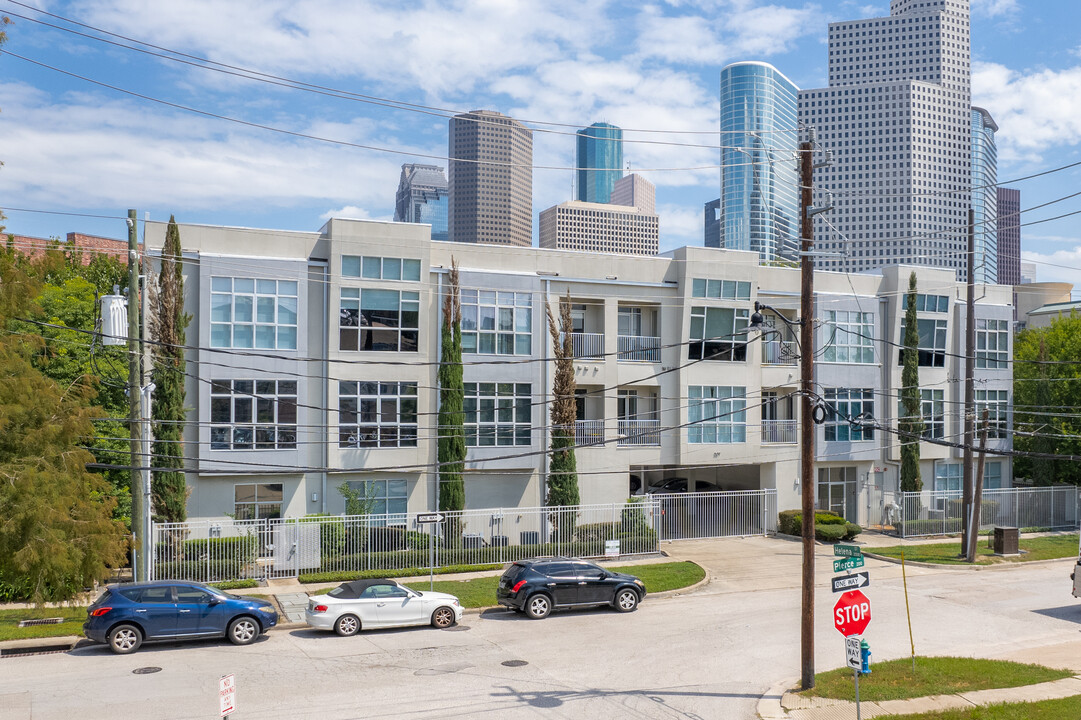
(706, 501)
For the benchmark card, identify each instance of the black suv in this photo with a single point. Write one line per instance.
(536, 587)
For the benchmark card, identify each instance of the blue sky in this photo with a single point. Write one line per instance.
(73, 146)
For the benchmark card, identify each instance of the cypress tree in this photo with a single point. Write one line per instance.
(911, 421)
(562, 466)
(451, 434)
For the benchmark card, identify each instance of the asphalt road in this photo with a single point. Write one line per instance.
(707, 655)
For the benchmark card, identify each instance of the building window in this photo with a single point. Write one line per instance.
(996, 402)
(720, 289)
(928, 303)
(718, 334)
(383, 497)
(498, 414)
(992, 475)
(992, 344)
(497, 323)
(381, 268)
(850, 339)
(932, 346)
(843, 406)
(253, 414)
(378, 320)
(377, 414)
(257, 501)
(933, 412)
(947, 479)
(717, 414)
(253, 313)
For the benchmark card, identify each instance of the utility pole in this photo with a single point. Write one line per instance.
(807, 427)
(135, 399)
(970, 364)
(977, 494)
(146, 389)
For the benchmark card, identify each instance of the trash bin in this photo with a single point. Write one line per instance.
(1007, 541)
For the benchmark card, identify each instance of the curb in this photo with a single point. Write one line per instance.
(769, 705)
(965, 566)
(35, 646)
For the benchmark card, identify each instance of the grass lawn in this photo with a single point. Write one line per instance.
(480, 592)
(1044, 710)
(894, 679)
(72, 625)
(1037, 548)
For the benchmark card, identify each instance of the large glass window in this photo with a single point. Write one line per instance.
(996, 402)
(718, 334)
(992, 475)
(257, 501)
(498, 413)
(253, 313)
(844, 405)
(933, 410)
(253, 414)
(497, 323)
(849, 337)
(381, 268)
(379, 320)
(377, 414)
(992, 344)
(383, 497)
(720, 289)
(717, 414)
(932, 346)
(928, 303)
(947, 481)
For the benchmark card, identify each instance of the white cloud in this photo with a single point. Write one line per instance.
(1059, 266)
(994, 8)
(681, 225)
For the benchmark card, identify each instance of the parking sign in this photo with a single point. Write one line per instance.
(227, 694)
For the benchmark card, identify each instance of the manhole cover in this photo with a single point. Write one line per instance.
(514, 663)
(458, 628)
(145, 670)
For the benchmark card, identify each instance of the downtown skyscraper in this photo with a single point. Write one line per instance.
(985, 196)
(422, 198)
(600, 162)
(897, 118)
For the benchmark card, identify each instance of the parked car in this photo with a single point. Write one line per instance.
(536, 587)
(370, 604)
(126, 616)
(680, 485)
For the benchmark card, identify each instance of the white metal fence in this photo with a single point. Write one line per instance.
(939, 513)
(221, 550)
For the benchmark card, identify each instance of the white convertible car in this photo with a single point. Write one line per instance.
(370, 604)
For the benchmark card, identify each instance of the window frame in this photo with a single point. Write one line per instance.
(250, 304)
(857, 342)
(358, 323)
(731, 349)
(258, 401)
(842, 403)
(479, 306)
(390, 427)
(719, 418)
(482, 398)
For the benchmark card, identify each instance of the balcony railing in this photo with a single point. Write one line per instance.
(589, 432)
(779, 431)
(639, 432)
(779, 352)
(587, 346)
(639, 348)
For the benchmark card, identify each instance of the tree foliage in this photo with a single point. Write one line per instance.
(563, 466)
(1047, 393)
(451, 435)
(911, 422)
(168, 324)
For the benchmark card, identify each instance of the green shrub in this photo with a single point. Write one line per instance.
(203, 570)
(852, 530)
(241, 549)
(597, 532)
(830, 533)
(234, 584)
(829, 526)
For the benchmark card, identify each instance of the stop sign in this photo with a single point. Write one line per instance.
(852, 613)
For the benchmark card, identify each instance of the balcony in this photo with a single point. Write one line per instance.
(780, 352)
(775, 432)
(639, 432)
(638, 348)
(589, 432)
(587, 346)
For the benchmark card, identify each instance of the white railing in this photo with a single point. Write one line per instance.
(639, 432)
(779, 352)
(931, 512)
(685, 516)
(779, 431)
(588, 346)
(589, 432)
(638, 348)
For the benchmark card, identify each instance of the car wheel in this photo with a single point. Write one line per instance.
(538, 606)
(443, 618)
(125, 639)
(347, 625)
(243, 631)
(626, 600)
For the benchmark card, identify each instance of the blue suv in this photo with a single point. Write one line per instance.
(127, 615)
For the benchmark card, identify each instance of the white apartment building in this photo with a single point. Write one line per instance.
(318, 355)
(896, 116)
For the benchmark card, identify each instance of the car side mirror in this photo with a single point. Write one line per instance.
(602, 576)
(214, 600)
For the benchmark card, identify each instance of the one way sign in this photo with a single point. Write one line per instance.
(851, 582)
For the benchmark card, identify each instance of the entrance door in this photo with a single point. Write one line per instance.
(837, 491)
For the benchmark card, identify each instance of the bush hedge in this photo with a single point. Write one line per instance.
(829, 526)
(234, 584)
(347, 575)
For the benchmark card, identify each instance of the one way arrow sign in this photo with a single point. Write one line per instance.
(851, 582)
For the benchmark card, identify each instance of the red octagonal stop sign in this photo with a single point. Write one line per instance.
(852, 613)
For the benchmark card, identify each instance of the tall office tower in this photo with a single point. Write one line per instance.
(897, 117)
(422, 198)
(635, 190)
(600, 162)
(1009, 236)
(597, 227)
(711, 224)
(985, 196)
(491, 179)
(759, 208)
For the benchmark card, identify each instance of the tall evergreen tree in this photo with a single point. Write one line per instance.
(169, 487)
(563, 466)
(451, 434)
(911, 422)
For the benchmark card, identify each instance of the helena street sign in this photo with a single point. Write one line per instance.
(848, 551)
(423, 518)
(852, 613)
(851, 582)
(852, 652)
(848, 563)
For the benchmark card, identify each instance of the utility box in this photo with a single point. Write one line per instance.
(1007, 541)
(114, 320)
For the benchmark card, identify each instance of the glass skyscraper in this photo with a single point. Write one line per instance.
(985, 195)
(422, 198)
(600, 161)
(759, 208)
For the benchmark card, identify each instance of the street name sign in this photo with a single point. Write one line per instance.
(847, 563)
(852, 652)
(852, 613)
(423, 518)
(227, 694)
(851, 582)
(848, 551)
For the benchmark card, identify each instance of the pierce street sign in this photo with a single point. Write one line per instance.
(848, 551)
(851, 582)
(847, 563)
(852, 613)
(423, 518)
(852, 652)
